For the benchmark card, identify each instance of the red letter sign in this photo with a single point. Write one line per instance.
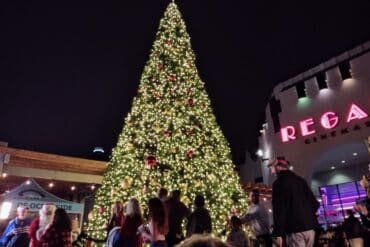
(304, 127)
(287, 133)
(329, 120)
(356, 113)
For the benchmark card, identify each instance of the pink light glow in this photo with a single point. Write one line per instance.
(348, 197)
(356, 113)
(329, 120)
(345, 208)
(287, 133)
(305, 127)
(346, 203)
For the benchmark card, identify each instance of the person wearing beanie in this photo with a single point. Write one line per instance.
(294, 206)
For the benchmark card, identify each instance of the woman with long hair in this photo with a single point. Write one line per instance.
(116, 216)
(58, 233)
(132, 220)
(158, 224)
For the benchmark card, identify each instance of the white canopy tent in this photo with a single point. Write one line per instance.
(31, 195)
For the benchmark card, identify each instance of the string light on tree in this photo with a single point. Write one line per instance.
(170, 137)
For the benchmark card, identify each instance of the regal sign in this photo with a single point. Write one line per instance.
(328, 120)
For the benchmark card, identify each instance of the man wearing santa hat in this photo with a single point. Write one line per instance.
(38, 225)
(294, 206)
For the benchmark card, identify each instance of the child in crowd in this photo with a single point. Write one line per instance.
(237, 237)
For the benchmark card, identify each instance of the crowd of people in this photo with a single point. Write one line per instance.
(166, 215)
(295, 220)
(294, 210)
(51, 229)
(165, 223)
(294, 213)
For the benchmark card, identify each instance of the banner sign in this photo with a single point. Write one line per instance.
(328, 121)
(35, 205)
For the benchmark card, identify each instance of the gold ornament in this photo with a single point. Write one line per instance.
(185, 200)
(129, 146)
(125, 184)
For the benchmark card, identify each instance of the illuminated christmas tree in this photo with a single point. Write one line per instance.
(171, 138)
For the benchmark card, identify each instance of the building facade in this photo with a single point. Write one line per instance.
(319, 121)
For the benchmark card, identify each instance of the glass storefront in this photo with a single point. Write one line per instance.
(336, 199)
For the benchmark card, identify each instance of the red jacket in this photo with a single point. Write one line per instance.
(33, 229)
(56, 238)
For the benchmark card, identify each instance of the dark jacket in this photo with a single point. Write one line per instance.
(199, 221)
(366, 220)
(177, 211)
(352, 227)
(16, 233)
(294, 204)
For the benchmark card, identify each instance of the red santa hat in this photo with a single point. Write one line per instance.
(279, 161)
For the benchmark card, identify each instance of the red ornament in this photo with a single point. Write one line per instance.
(172, 77)
(151, 161)
(167, 133)
(190, 102)
(101, 210)
(190, 153)
(159, 66)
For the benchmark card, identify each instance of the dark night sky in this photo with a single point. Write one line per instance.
(69, 69)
